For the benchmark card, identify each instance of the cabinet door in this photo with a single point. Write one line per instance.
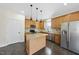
(33, 22)
(67, 18)
(27, 23)
(37, 25)
(41, 25)
(59, 21)
(54, 23)
(74, 16)
(57, 39)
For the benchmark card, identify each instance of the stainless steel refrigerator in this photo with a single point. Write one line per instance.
(70, 36)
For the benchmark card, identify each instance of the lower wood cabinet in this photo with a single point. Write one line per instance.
(57, 38)
(34, 42)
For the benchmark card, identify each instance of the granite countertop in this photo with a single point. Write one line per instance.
(51, 32)
(46, 32)
(34, 35)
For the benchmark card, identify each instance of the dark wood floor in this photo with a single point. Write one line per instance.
(50, 49)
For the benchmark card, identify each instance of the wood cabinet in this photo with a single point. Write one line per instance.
(41, 25)
(74, 16)
(27, 24)
(32, 22)
(66, 18)
(57, 38)
(35, 42)
(56, 22)
(38, 24)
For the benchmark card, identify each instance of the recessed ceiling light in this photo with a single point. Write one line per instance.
(65, 4)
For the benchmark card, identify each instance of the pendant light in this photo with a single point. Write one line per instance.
(65, 4)
(31, 12)
(36, 14)
(41, 15)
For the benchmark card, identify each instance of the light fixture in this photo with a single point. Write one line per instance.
(36, 14)
(41, 15)
(65, 4)
(31, 12)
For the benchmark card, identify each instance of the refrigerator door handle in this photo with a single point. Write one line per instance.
(64, 32)
(69, 37)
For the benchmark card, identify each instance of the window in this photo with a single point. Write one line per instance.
(48, 25)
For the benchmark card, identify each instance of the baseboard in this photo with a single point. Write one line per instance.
(6, 44)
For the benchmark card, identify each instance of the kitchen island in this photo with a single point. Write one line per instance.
(34, 42)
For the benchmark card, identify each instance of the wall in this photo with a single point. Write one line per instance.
(11, 27)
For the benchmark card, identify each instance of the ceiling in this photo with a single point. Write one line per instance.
(49, 10)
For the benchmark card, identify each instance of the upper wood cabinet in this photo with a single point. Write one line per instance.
(66, 18)
(32, 22)
(38, 24)
(27, 23)
(56, 22)
(74, 16)
(41, 25)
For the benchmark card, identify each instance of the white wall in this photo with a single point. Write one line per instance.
(11, 23)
